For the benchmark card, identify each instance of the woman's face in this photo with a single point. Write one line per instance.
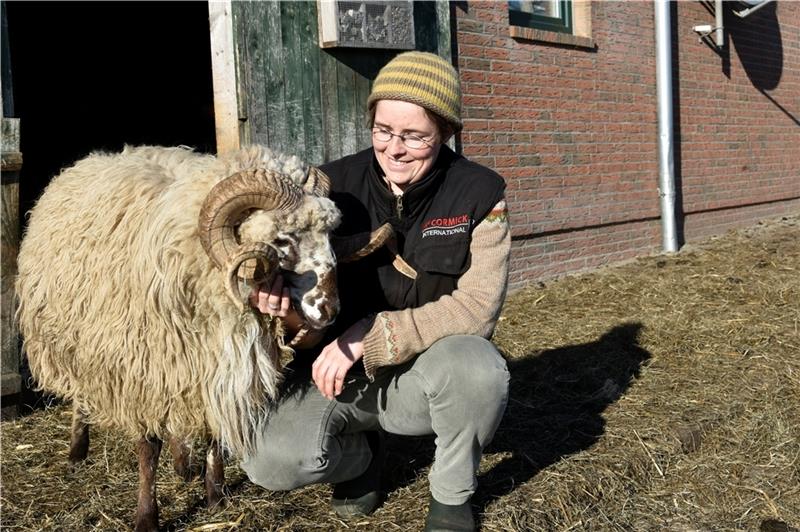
(403, 165)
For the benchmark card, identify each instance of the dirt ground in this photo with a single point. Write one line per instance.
(663, 394)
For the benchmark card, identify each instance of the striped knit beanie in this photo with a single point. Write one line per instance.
(424, 79)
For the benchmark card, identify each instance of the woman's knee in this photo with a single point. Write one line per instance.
(282, 469)
(472, 362)
(471, 358)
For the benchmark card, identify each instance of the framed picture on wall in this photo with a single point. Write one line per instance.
(376, 24)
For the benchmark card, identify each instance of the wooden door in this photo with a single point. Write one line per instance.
(289, 93)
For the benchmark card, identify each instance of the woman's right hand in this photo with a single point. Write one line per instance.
(335, 360)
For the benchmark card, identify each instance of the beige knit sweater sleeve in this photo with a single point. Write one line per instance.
(472, 308)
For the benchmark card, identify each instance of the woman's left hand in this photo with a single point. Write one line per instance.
(336, 359)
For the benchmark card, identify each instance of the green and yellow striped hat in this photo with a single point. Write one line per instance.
(424, 79)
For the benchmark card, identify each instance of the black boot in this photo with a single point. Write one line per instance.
(361, 495)
(449, 518)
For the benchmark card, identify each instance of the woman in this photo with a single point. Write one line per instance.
(408, 353)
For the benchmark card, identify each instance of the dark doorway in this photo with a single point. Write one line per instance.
(93, 76)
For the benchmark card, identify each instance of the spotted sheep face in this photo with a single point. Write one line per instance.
(305, 256)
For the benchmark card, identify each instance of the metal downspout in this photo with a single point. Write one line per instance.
(666, 162)
(719, 29)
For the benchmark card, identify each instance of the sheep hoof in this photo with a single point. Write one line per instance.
(147, 523)
(189, 473)
(182, 462)
(216, 502)
(76, 457)
(79, 439)
(215, 477)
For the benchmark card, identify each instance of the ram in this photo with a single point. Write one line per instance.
(134, 275)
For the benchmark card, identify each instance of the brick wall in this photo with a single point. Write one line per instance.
(739, 120)
(574, 129)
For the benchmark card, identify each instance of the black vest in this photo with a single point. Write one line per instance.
(433, 221)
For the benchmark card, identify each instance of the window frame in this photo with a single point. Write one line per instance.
(562, 24)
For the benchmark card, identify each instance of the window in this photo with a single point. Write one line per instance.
(547, 15)
(562, 22)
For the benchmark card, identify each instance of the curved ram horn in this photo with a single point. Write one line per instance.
(355, 247)
(232, 198)
(317, 183)
(251, 264)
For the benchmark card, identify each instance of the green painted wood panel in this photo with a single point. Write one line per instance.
(348, 107)
(299, 99)
(329, 99)
(277, 127)
(292, 15)
(256, 46)
(309, 64)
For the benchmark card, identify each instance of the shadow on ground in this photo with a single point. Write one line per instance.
(556, 403)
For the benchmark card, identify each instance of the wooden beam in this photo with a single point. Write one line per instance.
(11, 162)
(328, 27)
(444, 29)
(223, 67)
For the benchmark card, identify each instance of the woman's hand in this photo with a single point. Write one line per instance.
(336, 359)
(274, 300)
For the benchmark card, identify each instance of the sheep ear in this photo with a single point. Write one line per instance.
(317, 183)
(355, 247)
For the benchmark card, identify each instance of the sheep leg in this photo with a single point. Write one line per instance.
(182, 459)
(147, 509)
(79, 437)
(215, 476)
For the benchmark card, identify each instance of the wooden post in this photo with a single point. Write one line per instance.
(11, 164)
(223, 66)
(9, 222)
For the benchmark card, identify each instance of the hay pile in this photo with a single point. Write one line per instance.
(663, 394)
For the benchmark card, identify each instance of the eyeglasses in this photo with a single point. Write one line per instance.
(411, 141)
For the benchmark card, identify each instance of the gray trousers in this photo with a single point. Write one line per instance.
(456, 390)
